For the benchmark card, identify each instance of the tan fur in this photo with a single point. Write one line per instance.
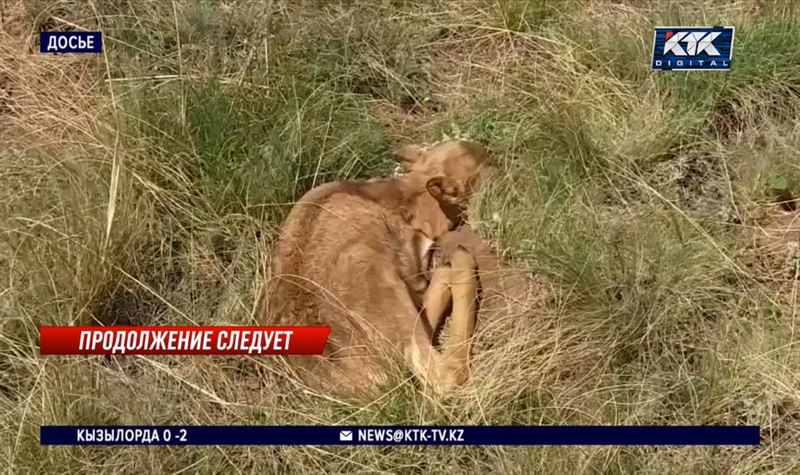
(354, 255)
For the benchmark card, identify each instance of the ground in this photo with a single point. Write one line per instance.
(653, 214)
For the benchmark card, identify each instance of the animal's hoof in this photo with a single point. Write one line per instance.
(447, 378)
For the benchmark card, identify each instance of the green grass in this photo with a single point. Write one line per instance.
(631, 196)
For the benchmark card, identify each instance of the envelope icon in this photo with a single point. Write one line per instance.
(346, 435)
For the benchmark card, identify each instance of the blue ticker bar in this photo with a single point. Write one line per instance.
(399, 435)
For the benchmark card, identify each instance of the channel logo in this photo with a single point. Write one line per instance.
(707, 48)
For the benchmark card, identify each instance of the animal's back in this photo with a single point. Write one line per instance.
(339, 261)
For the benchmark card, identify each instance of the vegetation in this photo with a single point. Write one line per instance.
(146, 185)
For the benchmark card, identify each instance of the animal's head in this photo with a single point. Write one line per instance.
(451, 171)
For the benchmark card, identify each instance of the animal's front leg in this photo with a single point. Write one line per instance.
(459, 283)
(437, 298)
(464, 290)
(420, 351)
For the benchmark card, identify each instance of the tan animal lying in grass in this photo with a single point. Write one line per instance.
(354, 255)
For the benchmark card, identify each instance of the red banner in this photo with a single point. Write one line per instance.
(182, 340)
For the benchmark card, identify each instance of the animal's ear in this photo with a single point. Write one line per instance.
(442, 188)
(408, 155)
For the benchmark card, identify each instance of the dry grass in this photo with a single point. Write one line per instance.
(146, 185)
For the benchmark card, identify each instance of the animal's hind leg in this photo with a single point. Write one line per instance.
(437, 298)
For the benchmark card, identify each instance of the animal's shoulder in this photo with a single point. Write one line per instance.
(355, 202)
